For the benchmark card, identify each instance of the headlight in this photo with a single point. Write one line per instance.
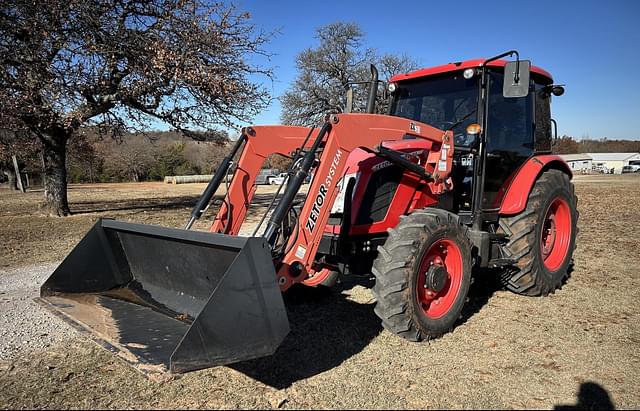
(468, 73)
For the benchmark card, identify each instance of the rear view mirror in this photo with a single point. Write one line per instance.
(516, 78)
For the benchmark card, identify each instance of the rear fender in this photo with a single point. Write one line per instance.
(515, 199)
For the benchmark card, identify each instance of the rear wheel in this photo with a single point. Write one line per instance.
(423, 274)
(542, 237)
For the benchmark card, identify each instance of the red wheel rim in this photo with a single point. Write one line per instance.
(446, 254)
(556, 234)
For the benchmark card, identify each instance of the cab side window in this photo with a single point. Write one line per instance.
(509, 126)
(543, 119)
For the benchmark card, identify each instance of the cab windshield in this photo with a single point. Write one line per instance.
(442, 102)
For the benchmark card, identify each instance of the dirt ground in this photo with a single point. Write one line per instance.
(579, 347)
(27, 233)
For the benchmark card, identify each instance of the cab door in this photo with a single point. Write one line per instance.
(509, 134)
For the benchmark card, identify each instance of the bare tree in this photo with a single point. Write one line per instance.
(18, 144)
(326, 72)
(279, 162)
(566, 145)
(205, 156)
(83, 161)
(7, 142)
(130, 159)
(389, 65)
(120, 64)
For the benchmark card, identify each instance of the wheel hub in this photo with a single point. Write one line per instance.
(436, 278)
(555, 235)
(439, 278)
(548, 235)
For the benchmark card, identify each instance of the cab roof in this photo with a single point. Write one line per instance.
(461, 65)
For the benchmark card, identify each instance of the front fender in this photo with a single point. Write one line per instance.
(515, 199)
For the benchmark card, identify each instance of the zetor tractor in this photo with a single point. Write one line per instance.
(458, 175)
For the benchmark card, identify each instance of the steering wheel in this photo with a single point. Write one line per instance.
(444, 124)
(463, 139)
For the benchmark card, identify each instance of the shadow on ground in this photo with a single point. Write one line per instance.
(591, 396)
(485, 283)
(327, 329)
(85, 207)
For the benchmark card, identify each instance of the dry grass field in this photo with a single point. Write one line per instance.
(579, 347)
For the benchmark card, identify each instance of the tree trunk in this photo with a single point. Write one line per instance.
(55, 175)
(16, 167)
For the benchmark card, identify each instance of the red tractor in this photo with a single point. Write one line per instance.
(458, 175)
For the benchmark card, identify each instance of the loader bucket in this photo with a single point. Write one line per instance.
(169, 300)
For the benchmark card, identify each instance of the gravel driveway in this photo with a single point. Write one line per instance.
(24, 325)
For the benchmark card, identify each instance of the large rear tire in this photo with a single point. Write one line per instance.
(542, 237)
(423, 274)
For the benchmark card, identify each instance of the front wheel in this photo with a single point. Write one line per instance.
(423, 274)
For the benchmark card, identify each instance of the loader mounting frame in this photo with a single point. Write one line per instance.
(337, 139)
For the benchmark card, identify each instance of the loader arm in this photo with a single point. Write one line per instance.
(262, 142)
(348, 132)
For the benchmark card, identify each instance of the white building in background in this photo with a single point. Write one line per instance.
(579, 163)
(613, 161)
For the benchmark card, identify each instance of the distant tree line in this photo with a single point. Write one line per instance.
(142, 156)
(568, 145)
(134, 157)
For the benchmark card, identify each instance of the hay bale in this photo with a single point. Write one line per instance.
(197, 178)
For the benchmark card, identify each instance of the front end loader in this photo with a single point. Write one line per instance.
(457, 175)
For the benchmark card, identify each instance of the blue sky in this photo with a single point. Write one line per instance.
(591, 46)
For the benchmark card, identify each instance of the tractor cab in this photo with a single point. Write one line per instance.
(495, 131)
